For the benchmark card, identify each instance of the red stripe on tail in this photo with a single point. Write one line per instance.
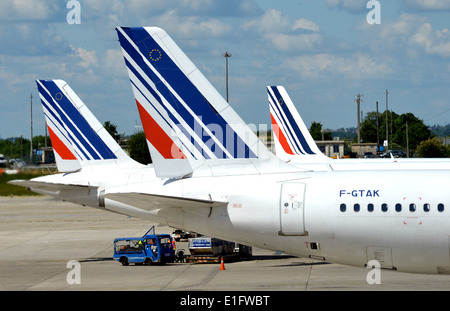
(60, 147)
(280, 136)
(157, 137)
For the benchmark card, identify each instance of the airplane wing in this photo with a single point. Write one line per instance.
(47, 188)
(150, 202)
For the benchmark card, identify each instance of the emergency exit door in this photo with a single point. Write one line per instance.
(292, 207)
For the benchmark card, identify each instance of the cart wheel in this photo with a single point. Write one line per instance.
(124, 261)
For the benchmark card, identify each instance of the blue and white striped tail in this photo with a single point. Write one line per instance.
(175, 100)
(77, 136)
(292, 138)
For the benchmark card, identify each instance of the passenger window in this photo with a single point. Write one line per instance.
(356, 207)
(370, 207)
(412, 207)
(384, 207)
(440, 207)
(426, 207)
(343, 207)
(398, 207)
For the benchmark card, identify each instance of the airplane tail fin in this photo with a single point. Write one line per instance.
(291, 136)
(78, 138)
(186, 121)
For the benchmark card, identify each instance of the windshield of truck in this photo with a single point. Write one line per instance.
(165, 242)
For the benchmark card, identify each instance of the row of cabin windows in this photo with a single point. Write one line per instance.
(398, 207)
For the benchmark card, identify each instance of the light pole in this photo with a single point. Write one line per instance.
(387, 128)
(227, 55)
(358, 102)
(31, 137)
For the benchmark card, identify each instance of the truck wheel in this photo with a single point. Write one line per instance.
(124, 261)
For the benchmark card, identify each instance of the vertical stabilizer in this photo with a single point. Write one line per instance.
(78, 138)
(186, 121)
(291, 136)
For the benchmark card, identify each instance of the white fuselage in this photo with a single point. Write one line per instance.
(322, 163)
(303, 213)
(313, 225)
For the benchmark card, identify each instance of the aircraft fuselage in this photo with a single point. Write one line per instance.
(399, 218)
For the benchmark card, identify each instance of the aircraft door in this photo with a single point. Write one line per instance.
(292, 206)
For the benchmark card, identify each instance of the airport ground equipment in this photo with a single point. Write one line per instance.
(212, 250)
(180, 255)
(148, 249)
(179, 235)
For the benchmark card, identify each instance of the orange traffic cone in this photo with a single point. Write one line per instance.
(222, 266)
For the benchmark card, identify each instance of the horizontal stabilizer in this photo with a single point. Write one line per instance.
(85, 195)
(150, 202)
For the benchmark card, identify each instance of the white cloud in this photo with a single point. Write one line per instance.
(88, 58)
(214, 8)
(10, 78)
(20, 10)
(432, 41)
(113, 63)
(403, 27)
(32, 38)
(351, 6)
(427, 5)
(305, 24)
(138, 10)
(272, 21)
(191, 27)
(411, 35)
(293, 42)
(284, 35)
(356, 66)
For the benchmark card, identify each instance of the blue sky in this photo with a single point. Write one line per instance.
(323, 51)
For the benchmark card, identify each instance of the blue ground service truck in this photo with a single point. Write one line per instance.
(148, 249)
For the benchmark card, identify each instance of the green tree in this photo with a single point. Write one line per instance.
(369, 128)
(440, 130)
(417, 130)
(40, 142)
(433, 148)
(112, 130)
(137, 145)
(19, 147)
(316, 132)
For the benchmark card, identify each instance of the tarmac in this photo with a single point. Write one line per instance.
(41, 237)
